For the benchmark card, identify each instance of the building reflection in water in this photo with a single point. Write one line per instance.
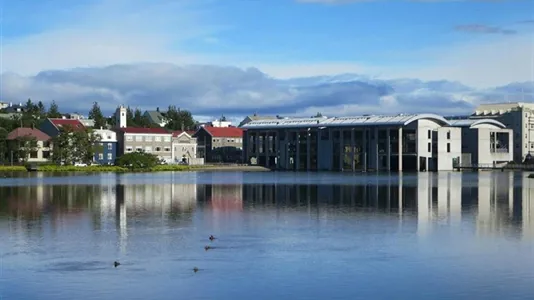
(496, 203)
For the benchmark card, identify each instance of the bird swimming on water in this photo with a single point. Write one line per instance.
(212, 238)
(116, 264)
(207, 248)
(195, 269)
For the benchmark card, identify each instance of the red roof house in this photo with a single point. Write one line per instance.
(25, 131)
(52, 126)
(234, 132)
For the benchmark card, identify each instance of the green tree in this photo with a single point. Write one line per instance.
(179, 119)
(4, 149)
(24, 146)
(63, 150)
(53, 111)
(41, 109)
(86, 144)
(96, 114)
(138, 161)
(72, 146)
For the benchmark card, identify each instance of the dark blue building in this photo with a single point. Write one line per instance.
(108, 147)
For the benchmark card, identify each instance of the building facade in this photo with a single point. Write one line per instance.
(397, 143)
(485, 142)
(519, 117)
(39, 154)
(150, 140)
(220, 144)
(107, 153)
(184, 148)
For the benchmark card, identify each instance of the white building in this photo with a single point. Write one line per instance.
(517, 116)
(486, 141)
(184, 148)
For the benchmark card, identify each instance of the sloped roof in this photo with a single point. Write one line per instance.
(25, 131)
(179, 132)
(223, 131)
(74, 123)
(155, 116)
(144, 130)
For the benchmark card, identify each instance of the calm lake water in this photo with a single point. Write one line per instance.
(280, 236)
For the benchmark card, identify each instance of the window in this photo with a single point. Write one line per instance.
(158, 149)
(110, 156)
(100, 156)
(129, 138)
(158, 139)
(148, 138)
(129, 149)
(429, 147)
(448, 135)
(139, 149)
(110, 146)
(138, 138)
(167, 139)
(46, 144)
(430, 134)
(46, 154)
(167, 149)
(33, 154)
(448, 147)
(148, 149)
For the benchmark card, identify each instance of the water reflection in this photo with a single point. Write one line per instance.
(497, 203)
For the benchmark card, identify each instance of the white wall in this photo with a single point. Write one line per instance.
(445, 157)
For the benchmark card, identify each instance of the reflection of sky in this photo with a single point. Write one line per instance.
(337, 245)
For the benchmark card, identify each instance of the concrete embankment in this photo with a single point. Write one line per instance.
(243, 168)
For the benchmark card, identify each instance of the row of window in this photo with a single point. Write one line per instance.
(430, 147)
(101, 156)
(148, 138)
(148, 149)
(430, 134)
(109, 146)
(237, 140)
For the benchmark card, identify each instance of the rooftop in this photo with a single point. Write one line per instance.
(366, 120)
(59, 123)
(474, 122)
(26, 131)
(179, 132)
(223, 131)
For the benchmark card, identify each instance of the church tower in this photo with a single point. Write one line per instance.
(120, 117)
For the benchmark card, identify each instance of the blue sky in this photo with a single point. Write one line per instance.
(482, 44)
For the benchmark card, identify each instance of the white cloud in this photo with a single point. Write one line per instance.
(209, 91)
(112, 32)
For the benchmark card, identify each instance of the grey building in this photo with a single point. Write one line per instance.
(151, 140)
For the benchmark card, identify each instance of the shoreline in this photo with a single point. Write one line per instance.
(115, 169)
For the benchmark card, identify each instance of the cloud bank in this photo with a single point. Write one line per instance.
(210, 90)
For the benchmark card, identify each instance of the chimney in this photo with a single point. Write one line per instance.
(157, 109)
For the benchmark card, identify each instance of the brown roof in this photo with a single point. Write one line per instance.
(144, 130)
(224, 131)
(24, 131)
